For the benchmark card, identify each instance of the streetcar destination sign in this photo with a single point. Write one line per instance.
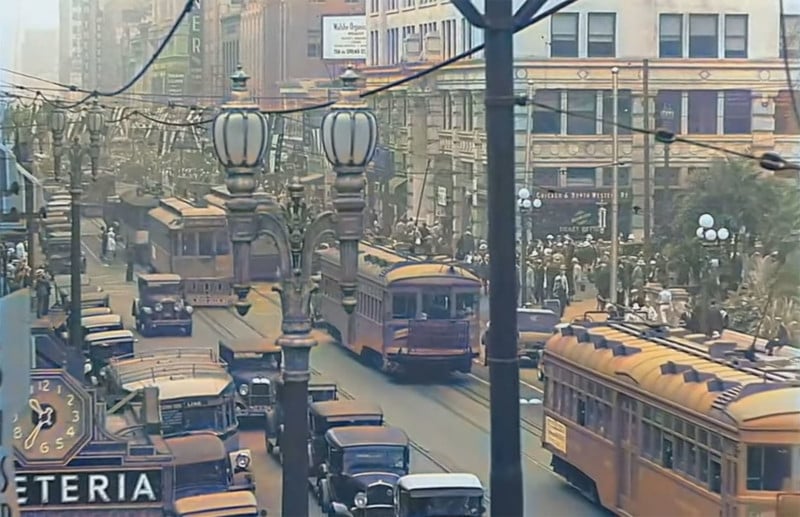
(82, 488)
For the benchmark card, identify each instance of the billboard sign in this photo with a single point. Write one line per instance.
(344, 37)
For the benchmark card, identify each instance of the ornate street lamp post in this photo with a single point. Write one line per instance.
(712, 239)
(96, 123)
(76, 153)
(240, 134)
(58, 124)
(349, 138)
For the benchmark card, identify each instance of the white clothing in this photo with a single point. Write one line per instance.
(111, 245)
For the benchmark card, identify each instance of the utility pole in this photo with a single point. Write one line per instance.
(648, 166)
(528, 131)
(498, 24)
(614, 184)
(75, 333)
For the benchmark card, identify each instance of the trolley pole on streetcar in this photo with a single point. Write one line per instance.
(349, 139)
(76, 153)
(498, 24)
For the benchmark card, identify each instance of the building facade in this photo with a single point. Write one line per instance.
(178, 72)
(38, 56)
(717, 79)
(283, 41)
(80, 43)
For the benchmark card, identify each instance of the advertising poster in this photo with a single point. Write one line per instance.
(344, 37)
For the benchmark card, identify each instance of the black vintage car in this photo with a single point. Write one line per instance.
(323, 416)
(57, 251)
(255, 365)
(161, 305)
(319, 390)
(362, 467)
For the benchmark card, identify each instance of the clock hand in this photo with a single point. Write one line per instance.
(36, 407)
(31, 439)
(47, 417)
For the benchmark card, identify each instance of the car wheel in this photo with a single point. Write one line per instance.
(324, 495)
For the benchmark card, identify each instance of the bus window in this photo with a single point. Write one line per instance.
(404, 306)
(436, 306)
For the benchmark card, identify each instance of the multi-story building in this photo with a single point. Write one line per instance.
(709, 71)
(178, 72)
(37, 54)
(230, 57)
(80, 43)
(283, 41)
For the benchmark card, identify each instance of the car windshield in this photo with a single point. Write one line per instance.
(163, 289)
(457, 506)
(256, 361)
(179, 421)
(372, 458)
(205, 473)
(539, 322)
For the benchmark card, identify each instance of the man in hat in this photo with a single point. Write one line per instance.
(781, 339)
(561, 289)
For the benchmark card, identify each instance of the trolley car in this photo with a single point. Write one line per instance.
(412, 314)
(97, 190)
(649, 423)
(130, 210)
(264, 259)
(191, 240)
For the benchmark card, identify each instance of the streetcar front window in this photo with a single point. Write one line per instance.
(769, 467)
(436, 306)
(466, 304)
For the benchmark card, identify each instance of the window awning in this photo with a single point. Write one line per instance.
(29, 180)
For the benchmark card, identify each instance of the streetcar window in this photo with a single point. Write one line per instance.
(404, 306)
(205, 243)
(716, 477)
(436, 306)
(224, 242)
(581, 412)
(769, 467)
(465, 304)
(189, 242)
(666, 453)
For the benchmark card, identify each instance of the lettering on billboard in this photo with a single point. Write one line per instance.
(194, 84)
(344, 37)
(82, 488)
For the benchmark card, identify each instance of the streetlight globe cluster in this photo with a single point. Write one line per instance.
(707, 231)
(524, 200)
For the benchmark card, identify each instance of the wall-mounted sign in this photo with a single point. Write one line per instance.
(78, 488)
(344, 37)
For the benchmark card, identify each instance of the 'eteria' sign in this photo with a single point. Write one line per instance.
(89, 488)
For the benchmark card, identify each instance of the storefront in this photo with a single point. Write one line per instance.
(578, 211)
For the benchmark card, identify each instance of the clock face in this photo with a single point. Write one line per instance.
(57, 420)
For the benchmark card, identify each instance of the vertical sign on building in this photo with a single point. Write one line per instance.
(194, 79)
(15, 369)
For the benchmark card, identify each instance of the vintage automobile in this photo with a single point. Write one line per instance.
(361, 469)
(255, 365)
(325, 415)
(104, 323)
(50, 226)
(534, 328)
(203, 467)
(161, 305)
(95, 311)
(431, 495)
(102, 346)
(57, 251)
(319, 390)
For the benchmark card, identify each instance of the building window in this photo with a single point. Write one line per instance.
(601, 41)
(391, 5)
(623, 176)
(791, 49)
(564, 35)
(624, 111)
(547, 121)
(670, 39)
(447, 111)
(737, 112)
(407, 4)
(668, 110)
(665, 177)
(581, 177)
(581, 112)
(546, 177)
(314, 43)
(786, 122)
(374, 6)
(703, 36)
(702, 111)
(736, 35)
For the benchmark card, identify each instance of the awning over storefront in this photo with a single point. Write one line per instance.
(396, 182)
(28, 180)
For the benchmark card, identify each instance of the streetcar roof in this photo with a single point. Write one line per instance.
(366, 435)
(439, 480)
(196, 448)
(247, 345)
(160, 278)
(110, 335)
(171, 388)
(219, 504)
(696, 376)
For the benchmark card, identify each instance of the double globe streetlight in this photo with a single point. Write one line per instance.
(708, 233)
(525, 204)
(349, 137)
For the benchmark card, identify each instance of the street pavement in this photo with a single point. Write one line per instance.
(266, 470)
(447, 422)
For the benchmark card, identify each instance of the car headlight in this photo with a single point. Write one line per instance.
(189, 309)
(147, 310)
(159, 307)
(242, 461)
(360, 500)
(87, 366)
(179, 305)
(244, 389)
